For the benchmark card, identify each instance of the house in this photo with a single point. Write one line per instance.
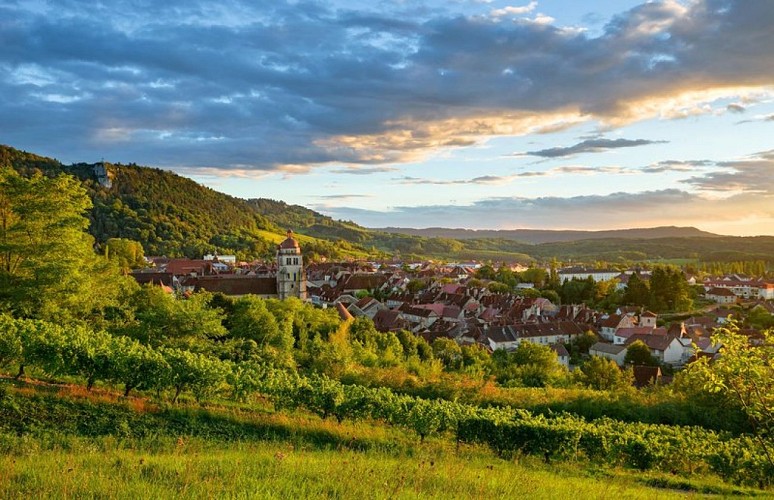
(622, 334)
(387, 320)
(721, 295)
(501, 337)
(665, 348)
(615, 352)
(648, 319)
(419, 318)
(561, 354)
(367, 306)
(614, 322)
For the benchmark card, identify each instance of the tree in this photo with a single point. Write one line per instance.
(415, 285)
(743, 376)
(127, 254)
(251, 319)
(601, 374)
(449, 352)
(162, 319)
(639, 354)
(10, 343)
(534, 275)
(497, 287)
(637, 291)
(48, 268)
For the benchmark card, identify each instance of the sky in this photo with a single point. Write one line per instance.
(548, 114)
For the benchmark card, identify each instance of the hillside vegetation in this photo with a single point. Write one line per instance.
(175, 216)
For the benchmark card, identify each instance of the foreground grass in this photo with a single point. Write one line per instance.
(59, 442)
(198, 469)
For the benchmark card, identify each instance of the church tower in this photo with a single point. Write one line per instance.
(291, 281)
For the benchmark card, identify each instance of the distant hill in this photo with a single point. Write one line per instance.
(537, 236)
(175, 216)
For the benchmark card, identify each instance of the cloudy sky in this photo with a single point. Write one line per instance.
(457, 113)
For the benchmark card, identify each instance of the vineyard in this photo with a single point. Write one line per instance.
(97, 357)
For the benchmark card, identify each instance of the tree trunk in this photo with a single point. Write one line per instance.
(21, 372)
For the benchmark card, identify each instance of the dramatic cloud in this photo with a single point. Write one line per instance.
(753, 175)
(242, 85)
(591, 146)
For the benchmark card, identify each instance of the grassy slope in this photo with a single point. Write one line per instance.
(62, 441)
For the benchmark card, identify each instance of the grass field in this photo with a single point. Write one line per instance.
(196, 469)
(67, 443)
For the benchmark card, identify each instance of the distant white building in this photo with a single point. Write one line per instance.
(581, 273)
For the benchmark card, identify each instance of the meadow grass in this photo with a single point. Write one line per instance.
(69, 443)
(193, 468)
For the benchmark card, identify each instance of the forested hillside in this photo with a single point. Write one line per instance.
(175, 216)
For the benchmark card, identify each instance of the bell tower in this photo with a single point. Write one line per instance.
(291, 281)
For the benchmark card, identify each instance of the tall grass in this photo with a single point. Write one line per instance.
(194, 468)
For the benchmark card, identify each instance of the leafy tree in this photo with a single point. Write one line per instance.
(48, 268)
(552, 296)
(486, 272)
(744, 377)
(475, 360)
(530, 364)
(162, 319)
(448, 352)
(534, 275)
(137, 366)
(415, 285)
(87, 354)
(637, 291)
(128, 254)
(497, 287)
(601, 374)
(251, 319)
(197, 372)
(669, 290)
(639, 354)
(10, 343)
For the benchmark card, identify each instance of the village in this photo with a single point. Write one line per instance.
(452, 301)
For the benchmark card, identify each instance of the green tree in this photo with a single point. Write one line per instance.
(127, 254)
(10, 343)
(449, 352)
(743, 376)
(639, 354)
(637, 291)
(601, 374)
(251, 319)
(48, 268)
(535, 275)
(162, 319)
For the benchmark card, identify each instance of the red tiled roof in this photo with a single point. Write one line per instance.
(234, 284)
